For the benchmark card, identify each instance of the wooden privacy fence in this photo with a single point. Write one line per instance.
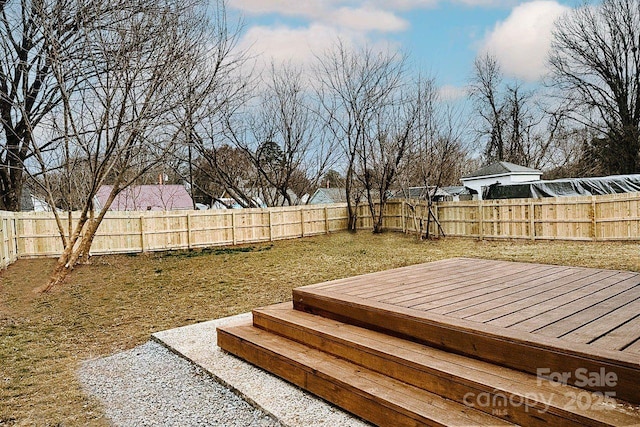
(611, 217)
(590, 218)
(130, 232)
(9, 238)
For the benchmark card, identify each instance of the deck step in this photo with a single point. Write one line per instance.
(374, 397)
(519, 350)
(515, 396)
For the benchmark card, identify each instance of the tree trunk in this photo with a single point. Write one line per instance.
(72, 253)
(352, 210)
(11, 185)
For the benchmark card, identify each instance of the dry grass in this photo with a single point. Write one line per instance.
(115, 303)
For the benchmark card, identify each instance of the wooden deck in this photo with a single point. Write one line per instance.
(454, 327)
(600, 308)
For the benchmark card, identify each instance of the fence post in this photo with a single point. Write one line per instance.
(15, 237)
(188, 231)
(142, 238)
(532, 220)
(435, 223)
(233, 227)
(270, 225)
(404, 220)
(326, 220)
(594, 220)
(481, 219)
(4, 259)
(302, 222)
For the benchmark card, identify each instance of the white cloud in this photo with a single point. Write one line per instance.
(307, 8)
(367, 19)
(452, 93)
(362, 16)
(403, 4)
(522, 41)
(296, 45)
(318, 8)
(488, 3)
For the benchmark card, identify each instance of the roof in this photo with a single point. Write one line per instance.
(328, 195)
(147, 198)
(502, 168)
(420, 192)
(262, 196)
(26, 202)
(567, 187)
(457, 190)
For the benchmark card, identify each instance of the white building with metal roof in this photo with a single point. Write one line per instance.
(503, 173)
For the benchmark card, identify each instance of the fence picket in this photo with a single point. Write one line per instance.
(610, 217)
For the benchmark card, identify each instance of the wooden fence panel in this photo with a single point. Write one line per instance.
(210, 228)
(130, 232)
(608, 217)
(611, 217)
(337, 217)
(9, 239)
(120, 232)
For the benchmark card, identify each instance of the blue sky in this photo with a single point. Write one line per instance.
(441, 37)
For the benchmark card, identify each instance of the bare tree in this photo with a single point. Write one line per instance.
(517, 126)
(122, 119)
(354, 85)
(595, 62)
(214, 79)
(485, 91)
(221, 169)
(439, 156)
(32, 32)
(280, 132)
(387, 149)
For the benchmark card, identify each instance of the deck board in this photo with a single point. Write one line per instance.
(540, 316)
(622, 337)
(596, 312)
(600, 327)
(552, 295)
(634, 348)
(513, 292)
(426, 278)
(523, 288)
(495, 309)
(452, 284)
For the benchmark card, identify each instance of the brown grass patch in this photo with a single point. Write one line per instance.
(118, 301)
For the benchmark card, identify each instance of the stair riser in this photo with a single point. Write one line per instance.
(511, 353)
(508, 407)
(330, 389)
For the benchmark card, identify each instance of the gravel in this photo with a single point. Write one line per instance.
(151, 386)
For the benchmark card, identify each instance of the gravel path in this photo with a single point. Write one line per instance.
(151, 386)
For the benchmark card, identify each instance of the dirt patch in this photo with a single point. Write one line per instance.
(118, 301)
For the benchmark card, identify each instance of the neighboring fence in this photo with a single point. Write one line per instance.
(130, 232)
(612, 217)
(609, 217)
(9, 238)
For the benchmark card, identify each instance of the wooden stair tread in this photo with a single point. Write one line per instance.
(502, 346)
(450, 375)
(370, 395)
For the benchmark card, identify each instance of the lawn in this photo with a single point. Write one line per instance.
(118, 301)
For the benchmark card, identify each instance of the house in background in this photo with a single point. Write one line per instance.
(146, 198)
(30, 202)
(503, 173)
(420, 193)
(454, 193)
(458, 193)
(567, 187)
(260, 197)
(324, 196)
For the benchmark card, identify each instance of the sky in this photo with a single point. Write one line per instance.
(441, 37)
